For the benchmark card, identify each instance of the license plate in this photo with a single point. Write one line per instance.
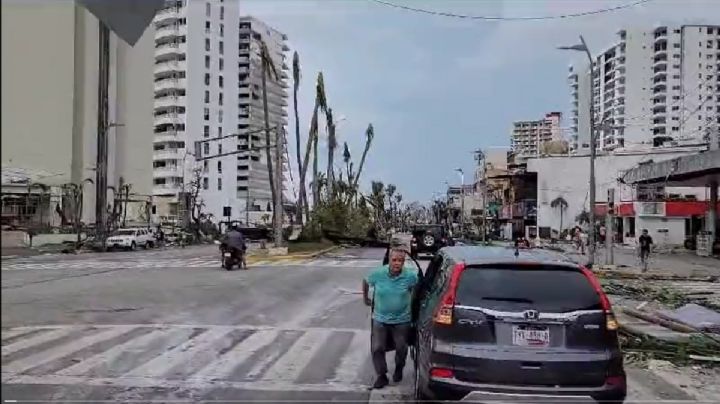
(531, 336)
(227, 254)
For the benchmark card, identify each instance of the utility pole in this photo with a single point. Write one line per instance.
(102, 129)
(609, 233)
(485, 203)
(278, 209)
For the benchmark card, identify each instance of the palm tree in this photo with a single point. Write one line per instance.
(390, 194)
(369, 135)
(296, 87)
(268, 69)
(44, 188)
(559, 203)
(346, 158)
(320, 105)
(76, 193)
(332, 145)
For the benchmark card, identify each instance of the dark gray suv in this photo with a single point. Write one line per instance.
(492, 325)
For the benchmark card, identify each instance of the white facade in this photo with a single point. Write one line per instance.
(568, 177)
(528, 136)
(651, 86)
(49, 100)
(208, 85)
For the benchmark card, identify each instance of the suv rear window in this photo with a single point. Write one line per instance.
(539, 288)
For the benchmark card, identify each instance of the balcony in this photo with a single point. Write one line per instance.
(170, 84)
(169, 14)
(167, 172)
(168, 136)
(168, 119)
(170, 49)
(169, 67)
(166, 189)
(168, 154)
(170, 31)
(169, 101)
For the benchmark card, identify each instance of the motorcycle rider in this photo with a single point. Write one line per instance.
(235, 242)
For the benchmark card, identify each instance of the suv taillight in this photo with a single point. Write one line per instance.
(444, 312)
(610, 322)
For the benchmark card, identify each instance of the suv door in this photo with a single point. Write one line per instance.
(530, 325)
(429, 294)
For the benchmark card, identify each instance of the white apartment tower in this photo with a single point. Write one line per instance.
(208, 88)
(650, 87)
(528, 137)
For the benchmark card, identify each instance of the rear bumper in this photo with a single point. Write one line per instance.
(453, 389)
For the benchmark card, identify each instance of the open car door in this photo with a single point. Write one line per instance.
(415, 306)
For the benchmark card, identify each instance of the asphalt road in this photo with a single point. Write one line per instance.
(173, 325)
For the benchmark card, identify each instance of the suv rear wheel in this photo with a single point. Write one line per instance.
(428, 240)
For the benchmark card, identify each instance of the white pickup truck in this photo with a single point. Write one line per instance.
(131, 239)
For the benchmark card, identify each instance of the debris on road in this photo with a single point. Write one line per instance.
(695, 316)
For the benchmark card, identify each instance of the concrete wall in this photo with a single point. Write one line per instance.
(664, 231)
(38, 86)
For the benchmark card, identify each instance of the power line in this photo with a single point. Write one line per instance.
(497, 18)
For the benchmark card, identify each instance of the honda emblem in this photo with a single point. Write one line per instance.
(531, 314)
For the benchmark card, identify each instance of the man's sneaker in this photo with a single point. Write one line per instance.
(381, 382)
(397, 375)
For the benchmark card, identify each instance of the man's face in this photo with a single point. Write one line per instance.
(397, 261)
(645, 232)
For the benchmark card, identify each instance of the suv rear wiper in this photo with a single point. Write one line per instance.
(508, 299)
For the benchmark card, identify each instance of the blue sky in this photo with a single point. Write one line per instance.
(436, 88)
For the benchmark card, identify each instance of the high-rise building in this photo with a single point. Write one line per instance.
(208, 89)
(528, 137)
(50, 75)
(650, 87)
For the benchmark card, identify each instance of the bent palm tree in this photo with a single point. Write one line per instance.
(332, 144)
(559, 203)
(320, 105)
(296, 87)
(369, 135)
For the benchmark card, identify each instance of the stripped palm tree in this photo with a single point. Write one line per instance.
(320, 105)
(41, 198)
(369, 135)
(332, 145)
(296, 87)
(268, 70)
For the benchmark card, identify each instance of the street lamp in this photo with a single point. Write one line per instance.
(462, 199)
(582, 47)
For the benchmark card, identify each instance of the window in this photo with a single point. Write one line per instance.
(222, 29)
(220, 116)
(207, 61)
(676, 76)
(219, 148)
(206, 114)
(207, 27)
(206, 148)
(710, 31)
(207, 96)
(206, 183)
(207, 9)
(548, 290)
(220, 99)
(675, 87)
(219, 166)
(222, 12)
(221, 47)
(206, 131)
(205, 166)
(207, 79)
(219, 131)
(221, 64)
(220, 81)
(676, 45)
(207, 44)
(675, 108)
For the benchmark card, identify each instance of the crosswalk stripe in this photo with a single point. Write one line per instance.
(112, 354)
(49, 355)
(224, 366)
(292, 363)
(358, 353)
(167, 361)
(7, 334)
(47, 336)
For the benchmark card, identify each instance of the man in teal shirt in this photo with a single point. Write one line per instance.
(393, 286)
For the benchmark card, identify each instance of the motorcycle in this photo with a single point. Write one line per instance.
(231, 257)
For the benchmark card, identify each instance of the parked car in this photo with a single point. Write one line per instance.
(428, 239)
(131, 239)
(491, 325)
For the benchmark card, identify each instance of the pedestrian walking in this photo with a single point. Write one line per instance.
(393, 286)
(645, 243)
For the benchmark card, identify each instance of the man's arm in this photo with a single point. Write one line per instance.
(366, 291)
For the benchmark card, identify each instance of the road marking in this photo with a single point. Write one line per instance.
(358, 353)
(224, 366)
(50, 335)
(292, 363)
(49, 355)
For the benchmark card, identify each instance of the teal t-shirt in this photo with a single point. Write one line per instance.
(392, 294)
